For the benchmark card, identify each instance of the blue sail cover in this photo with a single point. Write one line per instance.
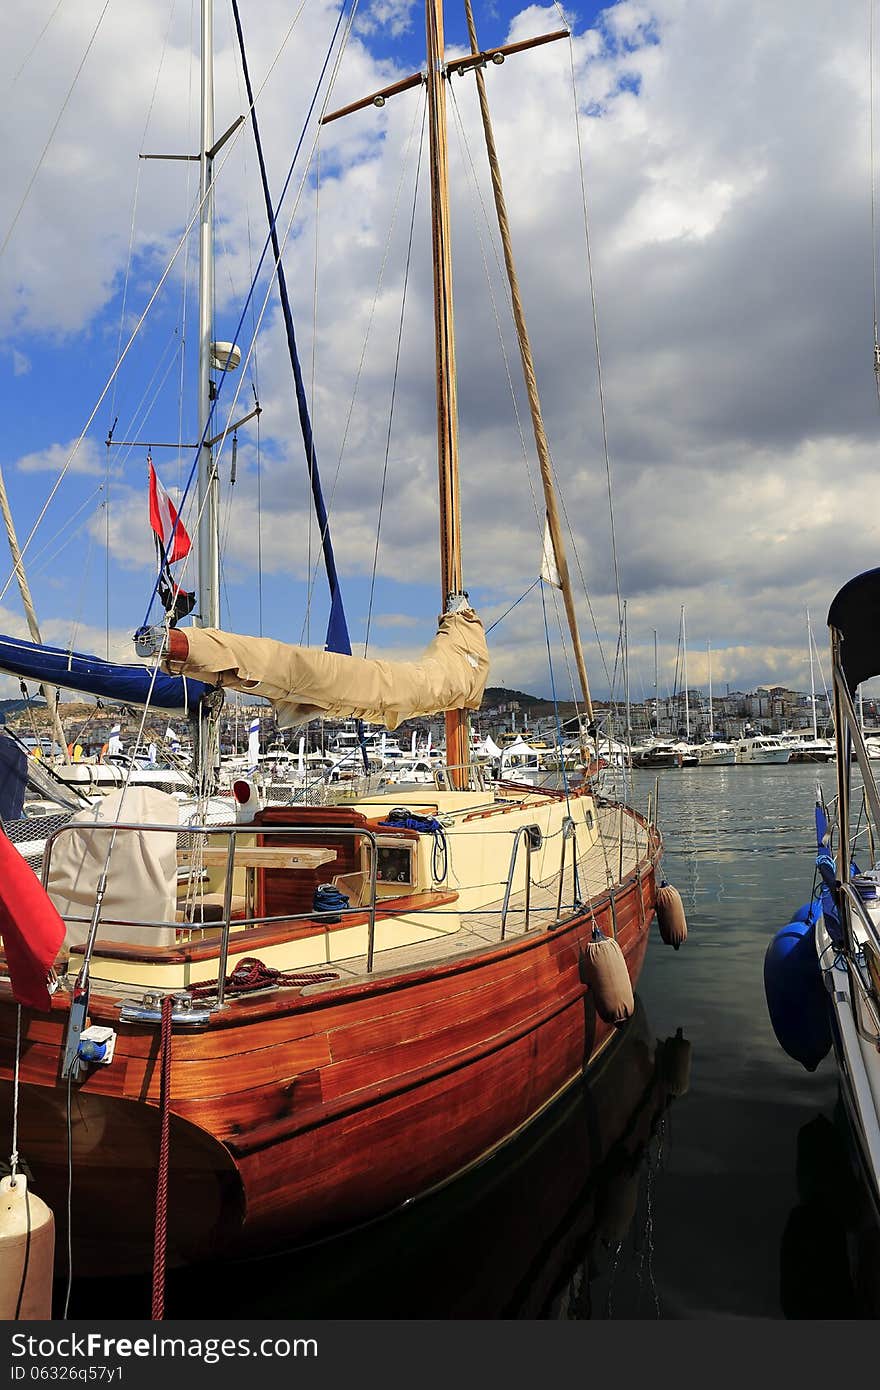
(129, 683)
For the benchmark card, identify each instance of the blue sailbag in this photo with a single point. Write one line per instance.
(127, 682)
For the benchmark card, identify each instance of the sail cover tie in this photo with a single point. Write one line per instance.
(303, 683)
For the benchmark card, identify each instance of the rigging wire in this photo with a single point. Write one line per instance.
(313, 363)
(224, 435)
(135, 197)
(873, 191)
(558, 723)
(513, 605)
(363, 355)
(64, 529)
(90, 550)
(595, 315)
(337, 632)
(412, 223)
(35, 45)
(230, 145)
(39, 164)
(184, 286)
(469, 163)
(475, 188)
(237, 59)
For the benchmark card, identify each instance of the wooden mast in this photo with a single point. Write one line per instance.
(457, 722)
(457, 739)
(528, 365)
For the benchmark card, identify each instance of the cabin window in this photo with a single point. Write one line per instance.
(394, 864)
(588, 817)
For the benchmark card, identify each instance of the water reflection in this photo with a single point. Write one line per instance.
(829, 1263)
(546, 1229)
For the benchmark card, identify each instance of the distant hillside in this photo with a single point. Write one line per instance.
(497, 695)
(8, 707)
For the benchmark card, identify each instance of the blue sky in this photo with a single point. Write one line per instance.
(726, 161)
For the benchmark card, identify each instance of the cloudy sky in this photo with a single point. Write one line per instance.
(726, 157)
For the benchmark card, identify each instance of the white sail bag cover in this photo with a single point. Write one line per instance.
(141, 875)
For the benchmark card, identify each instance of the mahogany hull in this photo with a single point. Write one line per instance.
(297, 1116)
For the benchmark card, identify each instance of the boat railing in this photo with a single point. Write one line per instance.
(530, 836)
(873, 935)
(569, 836)
(194, 838)
(477, 780)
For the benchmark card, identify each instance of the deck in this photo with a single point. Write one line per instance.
(611, 859)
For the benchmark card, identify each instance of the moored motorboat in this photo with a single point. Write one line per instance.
(763, 749)
(716, 753)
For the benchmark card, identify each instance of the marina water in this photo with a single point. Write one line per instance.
(700, 1174)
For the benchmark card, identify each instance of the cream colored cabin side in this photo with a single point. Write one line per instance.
(480, 831)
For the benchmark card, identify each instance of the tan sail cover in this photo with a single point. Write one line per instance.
(304, 683)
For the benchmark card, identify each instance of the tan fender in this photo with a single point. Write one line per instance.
(609, 982)
(27, 1250)
(670, 916)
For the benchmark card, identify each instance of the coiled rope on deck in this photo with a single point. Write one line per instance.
(251, 973)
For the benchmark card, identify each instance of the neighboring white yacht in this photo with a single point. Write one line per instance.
(716, 753)
(761, 748)
(383, 750)
(418, 771)
(807, 747)
(123, 770)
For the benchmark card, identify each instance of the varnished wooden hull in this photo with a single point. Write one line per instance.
(296, 1116)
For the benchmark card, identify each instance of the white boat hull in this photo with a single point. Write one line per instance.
(855, 1044)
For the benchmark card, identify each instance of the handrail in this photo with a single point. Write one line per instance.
(232, 831)
(569, 832)
(523, 833)
(851, 892)
(852, 970)
(476, 777)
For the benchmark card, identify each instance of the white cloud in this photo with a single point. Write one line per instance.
(394, 15)
(394, 620)
(77, 456)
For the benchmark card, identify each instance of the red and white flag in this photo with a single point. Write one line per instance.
(30, 926)
(165, 521)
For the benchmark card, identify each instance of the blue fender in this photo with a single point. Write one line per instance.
(795, 993)
(809, 912)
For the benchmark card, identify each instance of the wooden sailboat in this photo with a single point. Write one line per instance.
(342, 1007)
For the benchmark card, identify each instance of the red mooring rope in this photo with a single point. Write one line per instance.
(251, 973)
(160, 1236)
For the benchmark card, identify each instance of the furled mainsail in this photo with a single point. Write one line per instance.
(304, 683)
